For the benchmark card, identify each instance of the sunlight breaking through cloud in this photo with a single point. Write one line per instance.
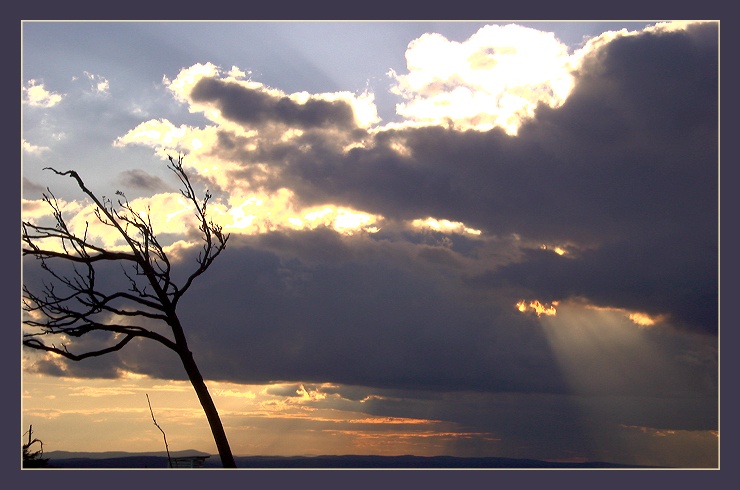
(640, 318)
(496, 78)
(445, 226)
(537, 307)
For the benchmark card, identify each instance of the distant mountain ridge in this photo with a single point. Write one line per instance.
(158, 460)
(119, 454)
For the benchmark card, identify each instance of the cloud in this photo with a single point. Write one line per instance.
(249, 106)
(34, 149)
(494, 79)
(36, 95)
(98, 84)
(140, 179)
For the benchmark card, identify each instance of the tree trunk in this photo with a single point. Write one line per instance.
(217, 428)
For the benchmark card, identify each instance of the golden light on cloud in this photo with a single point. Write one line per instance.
(168, 213)
(343, 220)
(639, 318)
(101, 391)
(159, 131)
(172, 217)
(537, 307)
(235, 394)
(346, 220)
(392, 421)
(311, 395)
(260, 213)
(130, 375)
(398, 442)
(445, 226)
(557, 249)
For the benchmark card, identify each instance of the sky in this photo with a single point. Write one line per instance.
(447, 238)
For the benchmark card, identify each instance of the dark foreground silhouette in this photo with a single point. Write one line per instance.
(121, 460)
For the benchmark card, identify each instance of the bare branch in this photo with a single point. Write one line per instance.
(166, 446)
(77, 331)
(37, 344)
(211, 249)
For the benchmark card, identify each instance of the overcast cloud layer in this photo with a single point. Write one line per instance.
(595, 197)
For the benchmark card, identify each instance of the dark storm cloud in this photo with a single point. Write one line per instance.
(307, 306)
(311, 307)
(619, 156)
(381, 316)
(674, 278)
(252, 106)
(627, 166)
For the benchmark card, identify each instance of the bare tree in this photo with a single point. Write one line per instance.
(73, 303)
(33, 459)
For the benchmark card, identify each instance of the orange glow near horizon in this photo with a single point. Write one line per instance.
(98, 415)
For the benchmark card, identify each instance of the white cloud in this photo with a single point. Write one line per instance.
(33, 149)
(36, 95)
(98, 84)
(494, 79)
(156, 133)
(445, 226)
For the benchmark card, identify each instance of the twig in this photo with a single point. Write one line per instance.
(169, 460)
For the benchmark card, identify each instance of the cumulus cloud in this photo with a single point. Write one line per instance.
(496, 78)
(256, 107)
(35, 94)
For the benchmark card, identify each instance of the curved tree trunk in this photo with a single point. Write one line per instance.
(217, 428)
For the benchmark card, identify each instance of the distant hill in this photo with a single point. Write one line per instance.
(118, 459)
(158, 460)
(418, 462)
(119, 454)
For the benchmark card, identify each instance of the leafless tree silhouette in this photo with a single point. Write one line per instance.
(33, 459)
(73, 303)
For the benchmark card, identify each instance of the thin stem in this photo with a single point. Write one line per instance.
(169, 460)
